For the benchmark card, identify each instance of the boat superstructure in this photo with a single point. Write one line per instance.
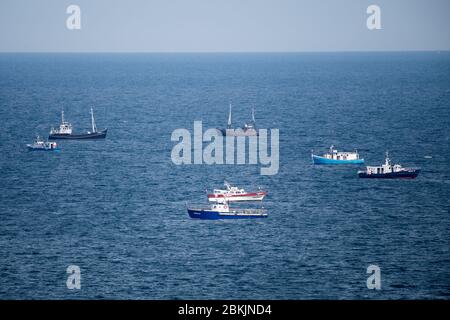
(389, 171)
(337, 157)
(65, 130)
(232, 193)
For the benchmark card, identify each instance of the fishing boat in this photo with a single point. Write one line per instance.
(40, 145)
(389, 171)
(232, 193)
(222, 210)
(65, 131)
(337, 157)
(249, 128)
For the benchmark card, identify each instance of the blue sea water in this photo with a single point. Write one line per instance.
(116, 208)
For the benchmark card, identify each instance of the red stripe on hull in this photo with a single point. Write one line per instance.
(255, 194)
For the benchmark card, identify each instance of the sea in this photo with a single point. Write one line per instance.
(116, 208)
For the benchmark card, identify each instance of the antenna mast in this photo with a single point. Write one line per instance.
(94, 128)
(229, 118)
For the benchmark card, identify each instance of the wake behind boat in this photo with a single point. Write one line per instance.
(389, 171)
(65, 131)
(337, 157)
(232, 193)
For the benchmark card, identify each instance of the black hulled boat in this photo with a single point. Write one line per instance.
(65, 131)
(249, 128)
(389, 171)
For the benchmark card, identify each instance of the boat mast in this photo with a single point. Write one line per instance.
(388, 161)
(62, 116)
(94, 128)
(253, 115)
(229, 118)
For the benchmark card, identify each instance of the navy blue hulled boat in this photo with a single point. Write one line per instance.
(389, 171)
(223, 211)
(65, 131)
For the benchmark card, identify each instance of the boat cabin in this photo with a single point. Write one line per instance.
(387, 167)
(64, 128)
(220, 207)
(229, 190)
(339, 155)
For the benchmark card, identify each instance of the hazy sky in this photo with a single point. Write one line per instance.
(224, 25)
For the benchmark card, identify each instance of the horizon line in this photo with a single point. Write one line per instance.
(227, 52)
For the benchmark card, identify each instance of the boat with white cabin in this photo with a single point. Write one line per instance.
(249, 128)
(222, 210)
(40, 145)
(337, 157)
(65, 130)
(232, 193)
(389, 171)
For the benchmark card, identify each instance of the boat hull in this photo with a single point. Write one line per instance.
(326, 161)
(391, 175)
(233, 214)
(86, 136)
(251, 196)
(31, 148)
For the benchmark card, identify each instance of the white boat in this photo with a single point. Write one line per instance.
(231, 194)
(40, 145)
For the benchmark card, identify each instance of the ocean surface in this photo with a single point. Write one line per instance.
(117, 208)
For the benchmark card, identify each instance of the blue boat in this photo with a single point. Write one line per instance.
(223, 211)
(337, 157)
